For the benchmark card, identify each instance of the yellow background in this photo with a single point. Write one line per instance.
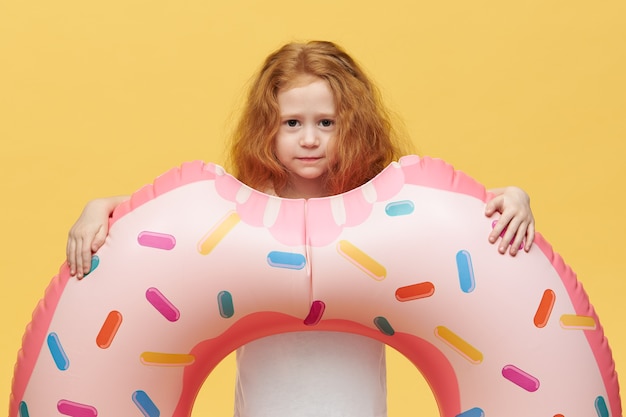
(98, 98)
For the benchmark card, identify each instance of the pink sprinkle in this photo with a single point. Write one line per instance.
(315, 313)
(70, 408)
(162, 304)
(156, 240)
(520, 378)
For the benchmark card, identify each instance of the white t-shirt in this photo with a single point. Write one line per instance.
(311, 374)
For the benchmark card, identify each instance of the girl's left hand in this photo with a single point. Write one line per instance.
(516, 224)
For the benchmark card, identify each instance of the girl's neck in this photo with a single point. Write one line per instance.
(304, 189)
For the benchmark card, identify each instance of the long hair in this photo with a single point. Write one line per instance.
(365, 141)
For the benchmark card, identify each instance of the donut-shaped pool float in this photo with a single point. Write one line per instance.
(198, 264)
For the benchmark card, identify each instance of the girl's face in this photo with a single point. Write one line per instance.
(305, 138)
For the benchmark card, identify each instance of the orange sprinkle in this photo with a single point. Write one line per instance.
(415, 291)
(545, 308)
(109, 329)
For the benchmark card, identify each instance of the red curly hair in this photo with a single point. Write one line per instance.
(365, 142)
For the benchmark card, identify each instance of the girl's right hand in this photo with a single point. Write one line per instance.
(89, 233)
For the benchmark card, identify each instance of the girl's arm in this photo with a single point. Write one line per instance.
(516, 223)
(89, 233)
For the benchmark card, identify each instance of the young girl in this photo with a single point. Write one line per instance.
(313, 126)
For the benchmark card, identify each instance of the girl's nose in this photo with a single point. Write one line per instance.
(309, 138)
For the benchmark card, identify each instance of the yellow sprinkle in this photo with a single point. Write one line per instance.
(572, 321)
(457, 343)
(167, 359)
(217, 233)
(362, 260)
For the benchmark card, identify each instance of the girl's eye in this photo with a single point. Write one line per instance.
(327, 123)
(292, 123)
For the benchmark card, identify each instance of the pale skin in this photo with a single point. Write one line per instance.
(303, 142)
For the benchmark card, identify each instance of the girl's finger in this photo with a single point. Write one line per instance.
(78, 260)
(86, 257)
(530, 236)
(519, 238)
(69, 254)
(499, 228)
(509, 235)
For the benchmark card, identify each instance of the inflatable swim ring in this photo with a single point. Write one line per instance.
(198, 264)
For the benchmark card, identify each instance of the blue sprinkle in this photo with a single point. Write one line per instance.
(384, 326)
(225, 304)
(601, 407)
(466, 271)
(95, 261)
(474, 412)
(286, 260)
(145, 404)
(399, 208)
(57, 352)
(23, 410)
